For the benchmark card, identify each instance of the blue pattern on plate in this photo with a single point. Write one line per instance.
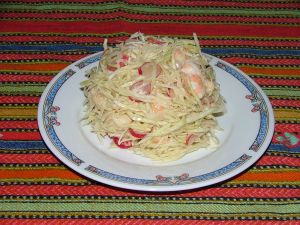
(48, 120)
(257, 101)
(172, 180)
(160, 180)
(88, 61)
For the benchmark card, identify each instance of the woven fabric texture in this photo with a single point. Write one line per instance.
(38, 38)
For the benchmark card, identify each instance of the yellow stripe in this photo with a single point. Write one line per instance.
(18, 112)
(286, 114)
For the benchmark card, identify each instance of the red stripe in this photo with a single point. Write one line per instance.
(292, 103)
(18, 124)
(18, 99)
(242, 60)
(283, 82)
(148, 17)
(142, 221)
(278, 160)
(99, 190)
(192, 3)
(70, 1)
(71, 58)
(37, 38)
(63, 38)
(214, 3)
(235, 43)
(49, 158)
(153, 28)
(27, 158)
(287, 127)
(24, 78)
(18, 136)
(66, 1)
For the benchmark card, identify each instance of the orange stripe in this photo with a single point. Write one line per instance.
(272, 71)
(17, 112)
(33, 67)
(286, 114)
(270, 176)
(38, 173)
(290, 176)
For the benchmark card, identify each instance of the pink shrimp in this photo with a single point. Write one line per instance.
(180, 58)
(196, 78)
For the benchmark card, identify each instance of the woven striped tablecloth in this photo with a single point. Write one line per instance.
(38, 38)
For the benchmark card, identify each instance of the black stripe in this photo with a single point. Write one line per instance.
(88, 183)
(277, 23)
(153, 216)
(121, 3)
(143, 198)
(32, 151)
(125, 34)
(18, 104)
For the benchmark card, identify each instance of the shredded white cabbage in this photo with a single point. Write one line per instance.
(155, 96)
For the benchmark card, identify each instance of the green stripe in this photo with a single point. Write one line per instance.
(276, 169)
(150, 9)
(150, 200)
(170, 207)
(284, 2)
(32, 166)
(56, 166)
(231, 184)
(282, 92)
(23, 89)
(122, 34)
(211, 46)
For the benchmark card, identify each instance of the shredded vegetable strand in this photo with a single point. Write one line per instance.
(155, 96)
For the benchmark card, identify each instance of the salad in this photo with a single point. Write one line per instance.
(155, 96)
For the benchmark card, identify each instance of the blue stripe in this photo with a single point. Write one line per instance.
(282, 148)
(57, 48)
(250, 51)
(212, 51)
(22, 145)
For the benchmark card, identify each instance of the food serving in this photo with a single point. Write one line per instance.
(155, 96)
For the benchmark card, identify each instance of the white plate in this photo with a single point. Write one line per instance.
(248, 128)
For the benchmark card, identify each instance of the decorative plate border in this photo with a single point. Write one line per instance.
(257, 101)
(171, 180)
(255, 96)
(50, 117)
(88, 61)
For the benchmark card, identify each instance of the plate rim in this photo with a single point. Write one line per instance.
(163, 188)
